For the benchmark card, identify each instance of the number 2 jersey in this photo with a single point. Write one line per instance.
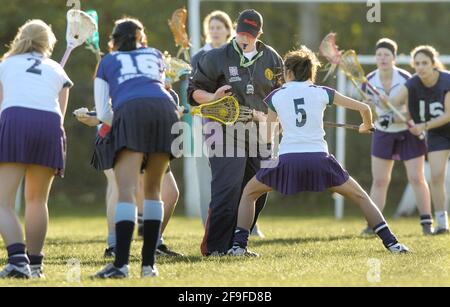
(32, 81)
(300, 107)
(133, 74)
(426, 103)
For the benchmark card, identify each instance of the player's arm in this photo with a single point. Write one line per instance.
(63, 99)
(362, 108)
(435, 122)
(400, 98)
(1, 97)
(102, 101)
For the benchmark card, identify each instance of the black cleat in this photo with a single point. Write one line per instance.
(441, 231)
(110, 271)
(163, 250)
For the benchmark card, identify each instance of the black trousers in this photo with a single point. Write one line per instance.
(229, 177)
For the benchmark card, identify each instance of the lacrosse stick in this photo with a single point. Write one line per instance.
(80, 26)
(225, 110)
(177, 24)
(93, 42)
(175, 68)
(350, 65)
(338, 125)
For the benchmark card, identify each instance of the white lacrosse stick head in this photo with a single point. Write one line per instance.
(80, 26)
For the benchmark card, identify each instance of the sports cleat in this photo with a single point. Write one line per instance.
(164, 250)
(427, 230)
(240, 251)
(110, 271)
(149, 271)
(367, 232)
(398, 248)
(441, 231)
(16, 271)
(37, 271)
(110, 252)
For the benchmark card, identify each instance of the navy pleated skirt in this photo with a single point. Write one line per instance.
(142, 125)
(32, 137)
(301, 172)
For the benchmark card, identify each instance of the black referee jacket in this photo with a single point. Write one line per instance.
(221, 66)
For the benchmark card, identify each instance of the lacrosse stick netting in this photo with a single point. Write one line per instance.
(177, 25)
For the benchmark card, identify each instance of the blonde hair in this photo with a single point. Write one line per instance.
(223, 18)
(34, 36)
(430, 52)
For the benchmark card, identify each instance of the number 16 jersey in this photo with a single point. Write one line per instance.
(133, 74)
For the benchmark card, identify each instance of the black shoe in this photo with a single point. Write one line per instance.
(441, 231)
(110, 252)
(110, 271)
(163, 250)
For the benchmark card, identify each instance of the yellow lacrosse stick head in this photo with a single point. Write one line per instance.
(350, 65)
(225, 110)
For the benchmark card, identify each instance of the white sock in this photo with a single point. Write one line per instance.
(441, 219)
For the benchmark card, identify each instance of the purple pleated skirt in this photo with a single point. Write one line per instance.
(302, 172)
(32, 137)
(399, 146)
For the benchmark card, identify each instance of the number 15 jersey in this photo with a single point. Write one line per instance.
(300, 107)
(133, 74)
(426, 103)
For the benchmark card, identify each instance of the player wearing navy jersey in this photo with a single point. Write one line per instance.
(428, 96)
(34, 93)
(131, 80)
(392, 140)
(304, 163)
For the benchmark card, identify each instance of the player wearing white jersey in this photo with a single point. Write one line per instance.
(34, 92)
(304, 162)
(393, 141)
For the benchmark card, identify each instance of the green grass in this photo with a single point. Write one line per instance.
(297, 251)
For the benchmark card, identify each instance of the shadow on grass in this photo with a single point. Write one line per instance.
(292, 241)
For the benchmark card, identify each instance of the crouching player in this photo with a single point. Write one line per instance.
(304, 162)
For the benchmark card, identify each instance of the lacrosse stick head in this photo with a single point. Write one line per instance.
(175, 68)
(177, 24)
(351, 67)
(80, 26)
(330, 51)
(225, 110)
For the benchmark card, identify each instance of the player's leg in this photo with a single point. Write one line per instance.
(438, 166)
(246, 215)
(126, 169)
(112, 195)
(170, 194)
(153, 213)
(353, 191)
(38, 182)
(381, 177)
(140, 205)
(18, 264)
(416, 178)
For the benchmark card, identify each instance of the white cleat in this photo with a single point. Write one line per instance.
(238, 251)
(37, 271)
(149, 271)
(398, 248)
(16, 271)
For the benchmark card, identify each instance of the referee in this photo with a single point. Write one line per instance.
(247, 69)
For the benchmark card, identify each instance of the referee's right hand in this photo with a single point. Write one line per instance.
(222, 92)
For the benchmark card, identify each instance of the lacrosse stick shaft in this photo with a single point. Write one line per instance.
(338, 125)
(66, 56)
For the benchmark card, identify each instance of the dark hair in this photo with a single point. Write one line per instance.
(430, 52)
(124, 35)
(303, 63)
(388, 44)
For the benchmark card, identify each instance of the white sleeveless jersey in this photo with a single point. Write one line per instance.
(32, 81)
(384, 114)
(300, 107)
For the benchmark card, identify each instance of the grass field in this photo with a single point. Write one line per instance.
(297, 251)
